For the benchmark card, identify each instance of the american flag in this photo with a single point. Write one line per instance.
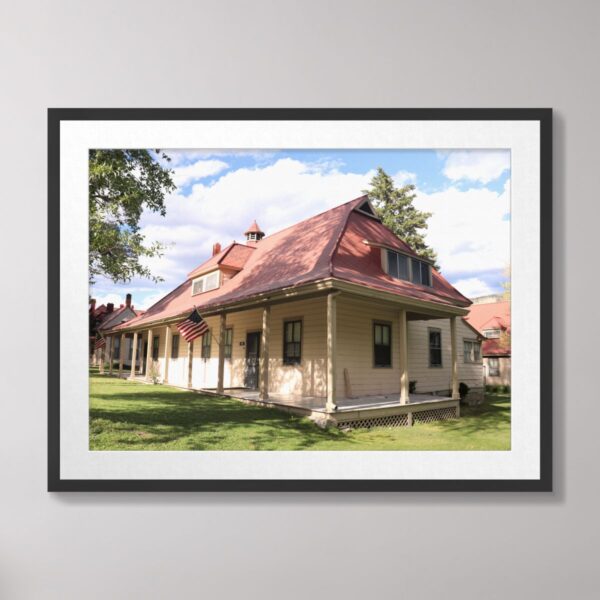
(100, 343)
(193, 327)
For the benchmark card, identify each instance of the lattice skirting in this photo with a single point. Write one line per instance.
(424, 416)
(391, 421)
(435, 414)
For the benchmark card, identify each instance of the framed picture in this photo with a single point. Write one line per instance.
(300, 300)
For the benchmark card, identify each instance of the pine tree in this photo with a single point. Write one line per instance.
(395, 208)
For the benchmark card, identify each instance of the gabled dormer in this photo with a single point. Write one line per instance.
(222, 266)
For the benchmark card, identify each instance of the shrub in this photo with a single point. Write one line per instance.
(491, 389)
(412, 387)
(463, 390)
(505, 389)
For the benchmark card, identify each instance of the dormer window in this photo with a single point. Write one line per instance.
(207, 282)
(252, 236)
(401, 266)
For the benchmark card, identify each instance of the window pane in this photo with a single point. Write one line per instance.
(402, 267)
(378, 334)
(435, 357)
(392, 264)
(425, 274)
(385, 338)
(416, 271)
(297, 333)
(289, 331)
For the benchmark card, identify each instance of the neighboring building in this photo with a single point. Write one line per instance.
(331, 314)
(103, 319)
(492, 319)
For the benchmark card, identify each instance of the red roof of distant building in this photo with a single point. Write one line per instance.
(495, 347)
(492, 315)
(328, 245)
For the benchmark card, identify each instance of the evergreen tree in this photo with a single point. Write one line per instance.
(395, 208)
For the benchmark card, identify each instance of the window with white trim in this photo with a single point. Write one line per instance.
(493, 367)
(492, 333)
(472, 351)
(206, 283)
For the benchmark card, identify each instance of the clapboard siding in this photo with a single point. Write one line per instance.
(355, 352)
(431, 379)
(355, 319)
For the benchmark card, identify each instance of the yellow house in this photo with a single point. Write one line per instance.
(334, 317)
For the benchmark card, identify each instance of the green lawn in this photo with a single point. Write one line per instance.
(125, 415)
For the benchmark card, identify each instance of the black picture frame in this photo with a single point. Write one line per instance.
(542, 115)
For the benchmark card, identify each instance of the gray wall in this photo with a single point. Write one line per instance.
(411, 54)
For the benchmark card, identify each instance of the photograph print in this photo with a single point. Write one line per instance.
(300, 300)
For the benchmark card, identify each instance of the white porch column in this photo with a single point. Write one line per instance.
(101, 365)
(264, 361)
(121, 354)
(168, 344)
(403, 351)
(111, 347)
(134, 354)
(455, 394)
(221, 366)
(190, 358)
(331, 352)
(149, 355)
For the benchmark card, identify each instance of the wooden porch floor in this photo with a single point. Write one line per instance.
(317, 404)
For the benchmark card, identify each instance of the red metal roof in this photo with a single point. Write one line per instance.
(233, 256)
(357, 262)
(493, 315)
(327, 245)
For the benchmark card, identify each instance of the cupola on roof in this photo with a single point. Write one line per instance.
(254, 233)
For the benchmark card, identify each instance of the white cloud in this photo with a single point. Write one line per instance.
(277, 196)
(197, 170)
(116, 299)
(473, 287)
(474, 165)
(468, 229)
(402, 178)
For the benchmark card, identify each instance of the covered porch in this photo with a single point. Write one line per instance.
(334, 383)
(363, 412)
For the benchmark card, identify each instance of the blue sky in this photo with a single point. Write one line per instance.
(220, 192)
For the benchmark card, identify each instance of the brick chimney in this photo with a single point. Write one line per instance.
(110, 307)
(216, 248)
(128, 301)
(92, 305)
